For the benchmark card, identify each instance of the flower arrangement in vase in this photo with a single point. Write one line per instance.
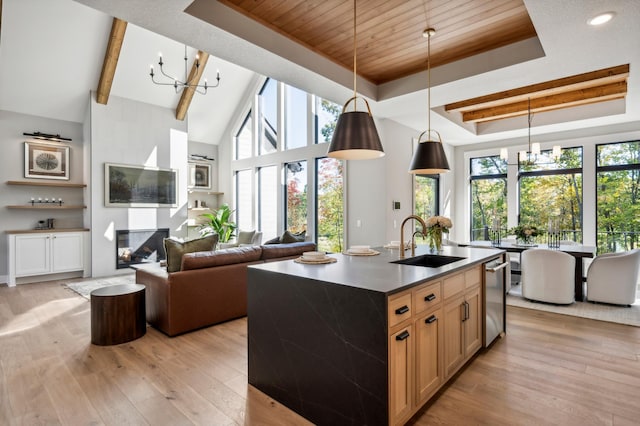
(436, 226)
(525, 233)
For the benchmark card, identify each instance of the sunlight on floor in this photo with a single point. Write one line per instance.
(40, 314)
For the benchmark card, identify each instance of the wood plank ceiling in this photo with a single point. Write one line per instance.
(389, 32)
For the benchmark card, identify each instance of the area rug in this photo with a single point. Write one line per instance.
(597, 311)
(85, 287)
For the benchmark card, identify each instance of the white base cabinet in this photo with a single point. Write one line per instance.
(39, 253)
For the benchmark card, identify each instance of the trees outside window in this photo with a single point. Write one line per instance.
(296, 207)
(552, 190)
(329, 204)
(425, 197)
(327, 114)
(488, 196)
(618, 196)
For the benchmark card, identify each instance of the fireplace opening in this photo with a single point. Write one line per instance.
(139, 246)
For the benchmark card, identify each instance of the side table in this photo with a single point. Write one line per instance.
(117, 314)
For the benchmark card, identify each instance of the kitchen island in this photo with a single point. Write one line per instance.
(363, 340)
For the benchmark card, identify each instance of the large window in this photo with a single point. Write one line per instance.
(268, 124)
(552, 190)
(268, 201)
(488, 196)
(327, 114)
(243, 199)
(296, 118)
(618, 196)
(329, 205)
(244, 139)
(425, 195)
(296, 197)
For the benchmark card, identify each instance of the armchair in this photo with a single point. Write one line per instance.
(548, 276)
(613, 278)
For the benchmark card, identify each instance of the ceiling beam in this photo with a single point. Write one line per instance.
(580, 81)
(548, 103)
(111, 56)
(194, 76)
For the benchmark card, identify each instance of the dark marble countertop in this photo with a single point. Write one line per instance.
(377, 273)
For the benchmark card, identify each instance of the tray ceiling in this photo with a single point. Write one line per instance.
(390, 44)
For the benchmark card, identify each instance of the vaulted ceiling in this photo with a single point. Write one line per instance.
(483, 53)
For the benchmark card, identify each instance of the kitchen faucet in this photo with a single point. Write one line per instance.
(424, 227)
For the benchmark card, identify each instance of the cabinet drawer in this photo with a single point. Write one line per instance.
(453, 285)
(400, 308)
(473, 277)
(427, 297)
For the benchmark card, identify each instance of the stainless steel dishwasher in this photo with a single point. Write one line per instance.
(494, 299)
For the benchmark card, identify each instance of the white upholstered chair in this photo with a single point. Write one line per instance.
(613, 278)
(548, 276)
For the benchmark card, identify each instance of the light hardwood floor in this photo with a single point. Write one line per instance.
(550, 369)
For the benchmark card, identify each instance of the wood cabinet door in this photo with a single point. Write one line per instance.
(400, 374)
(67, 253)
(453, 335)
(33, 255)
(429, 332)
(473, 325)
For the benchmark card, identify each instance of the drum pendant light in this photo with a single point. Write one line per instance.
(355, 136)
(429, 158)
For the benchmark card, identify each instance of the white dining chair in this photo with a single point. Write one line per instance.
(613, 278)
(548, 276)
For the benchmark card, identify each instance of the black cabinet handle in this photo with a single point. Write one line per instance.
(466, 310)
(431, 319)
(402, 335)
(430, 297)
(402, 310)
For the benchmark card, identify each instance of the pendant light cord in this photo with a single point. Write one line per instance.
(429, 82)
(355, 48)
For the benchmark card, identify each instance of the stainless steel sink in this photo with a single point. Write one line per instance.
(429, 260)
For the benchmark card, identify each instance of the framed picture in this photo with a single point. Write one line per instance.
(46, 160)
(199, 176)
(139, 186)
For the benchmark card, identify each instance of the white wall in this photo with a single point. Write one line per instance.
(12, 125)
(133, 133)
(587, 141)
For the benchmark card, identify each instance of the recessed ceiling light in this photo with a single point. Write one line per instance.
(600, 19)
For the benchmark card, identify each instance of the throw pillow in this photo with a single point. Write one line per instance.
(174, 249)
(275, 240)
(288, 237)
(245, 237)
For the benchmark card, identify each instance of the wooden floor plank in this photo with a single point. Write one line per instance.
(549, 369)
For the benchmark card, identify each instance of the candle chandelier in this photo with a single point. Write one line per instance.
(531, 156)
(190, 81)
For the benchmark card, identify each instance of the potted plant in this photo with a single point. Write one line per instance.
(219, 223)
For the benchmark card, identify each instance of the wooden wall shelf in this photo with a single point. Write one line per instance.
(47, 183)
(52, 206)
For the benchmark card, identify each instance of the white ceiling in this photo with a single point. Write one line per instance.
(51, 53)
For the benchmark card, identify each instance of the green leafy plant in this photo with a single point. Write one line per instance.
(219, 223)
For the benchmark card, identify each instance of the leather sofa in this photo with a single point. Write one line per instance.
(210, 287)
